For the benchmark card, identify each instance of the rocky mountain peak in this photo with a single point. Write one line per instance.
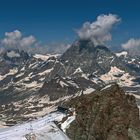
(105, 115)
(89, 57)
(85, 46)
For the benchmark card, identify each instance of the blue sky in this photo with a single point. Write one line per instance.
(55, 20)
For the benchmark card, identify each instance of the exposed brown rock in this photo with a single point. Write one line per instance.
(105, 115)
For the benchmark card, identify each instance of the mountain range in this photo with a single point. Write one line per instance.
(33, 85)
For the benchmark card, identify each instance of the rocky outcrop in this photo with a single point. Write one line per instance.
(105, 115)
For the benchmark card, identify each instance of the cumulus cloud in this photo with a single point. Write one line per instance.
(132, 46)
(16, 40)
(27, 41)
(11, 38)
(13, 35)
(99, 30)
(13, 54)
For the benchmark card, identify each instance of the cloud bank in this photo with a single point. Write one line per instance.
(16, 40)
(99, 30)
(132, 46)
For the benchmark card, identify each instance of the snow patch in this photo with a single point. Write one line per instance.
(72, 83)
(11, 72)
(124, 53)
(45, 57)
(88, 91)
(106, 87)
(30, 74)
(43, 112)
(118, 76)
(136, 96)
(85, 76)
(42, 57)
(33, 84)
(65, 125)
(42, 79)
(78, 70)
(95, 80)
(33, 65)
(22, 69)
(45, 72)
(19, 75)
(63, 84)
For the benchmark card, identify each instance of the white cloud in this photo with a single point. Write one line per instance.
(13, 35)
(27, 41)
(132, 46)
(99, 30)
(13, 54)
(16, 40)
(11, 38)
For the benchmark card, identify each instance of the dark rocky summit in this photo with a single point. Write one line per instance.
(90, 58)
(105, 115)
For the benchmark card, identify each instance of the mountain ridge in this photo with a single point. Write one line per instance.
(82, 69)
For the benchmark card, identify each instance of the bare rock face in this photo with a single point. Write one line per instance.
(31, 137)
(105, 115)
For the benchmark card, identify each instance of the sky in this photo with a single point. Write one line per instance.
(54, 22)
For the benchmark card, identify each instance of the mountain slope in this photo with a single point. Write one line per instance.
(106, 115)
(37, 84)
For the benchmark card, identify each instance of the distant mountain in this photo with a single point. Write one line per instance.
(33, 85)
(90, 58)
